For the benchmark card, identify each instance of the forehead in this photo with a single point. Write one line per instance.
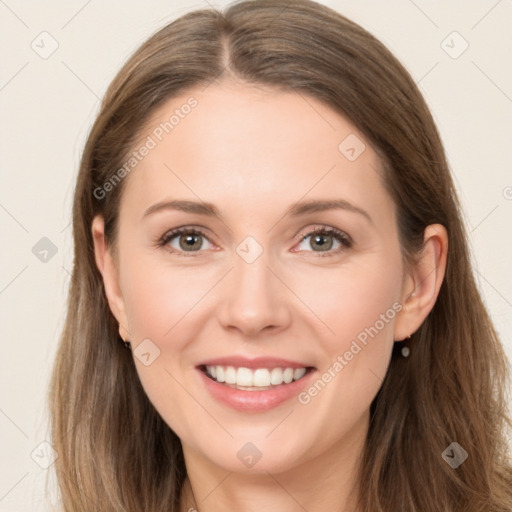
(250, 146)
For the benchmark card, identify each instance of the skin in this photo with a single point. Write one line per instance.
(253, 153)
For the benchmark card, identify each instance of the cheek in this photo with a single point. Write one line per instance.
(159, 296)
(160, 304)
(357, 307)
(352, 298)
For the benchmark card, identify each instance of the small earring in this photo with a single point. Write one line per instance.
(406, 350)
(127, 344)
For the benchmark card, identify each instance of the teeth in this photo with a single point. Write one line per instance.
(230, 375)
(288, 375)
(298, 373)
(260, 378)
(243, 377)
(276, 376)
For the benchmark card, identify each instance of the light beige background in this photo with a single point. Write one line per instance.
(48, 105)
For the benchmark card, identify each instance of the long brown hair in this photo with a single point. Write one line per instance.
(115, 451)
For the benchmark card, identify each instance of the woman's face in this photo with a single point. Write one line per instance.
(296, 275)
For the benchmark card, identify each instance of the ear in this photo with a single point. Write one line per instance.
(107, 267)
(423, 282)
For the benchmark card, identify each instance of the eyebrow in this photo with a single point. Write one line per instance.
(199, 208)
(295, 210)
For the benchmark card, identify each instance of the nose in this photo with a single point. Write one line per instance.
(254, 299)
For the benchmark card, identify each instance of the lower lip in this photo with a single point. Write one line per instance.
(254, 401)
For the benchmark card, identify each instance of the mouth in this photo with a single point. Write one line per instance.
(254, 386)
(254, 379)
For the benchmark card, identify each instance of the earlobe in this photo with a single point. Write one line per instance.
(423, 282)
(109, 272)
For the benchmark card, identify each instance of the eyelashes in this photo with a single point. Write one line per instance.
(170, 235)
(318, 233)
(344, 241)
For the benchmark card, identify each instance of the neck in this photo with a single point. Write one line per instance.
(327, 482)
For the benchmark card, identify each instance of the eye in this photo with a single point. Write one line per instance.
(325, 240)
(184, 240)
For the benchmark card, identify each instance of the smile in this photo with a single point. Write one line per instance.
(257, 379)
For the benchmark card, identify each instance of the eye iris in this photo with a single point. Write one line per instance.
(322, 244)
(190, 241)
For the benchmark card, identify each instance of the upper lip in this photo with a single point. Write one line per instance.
(254, 363)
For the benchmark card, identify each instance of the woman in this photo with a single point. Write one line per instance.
(265, 218)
